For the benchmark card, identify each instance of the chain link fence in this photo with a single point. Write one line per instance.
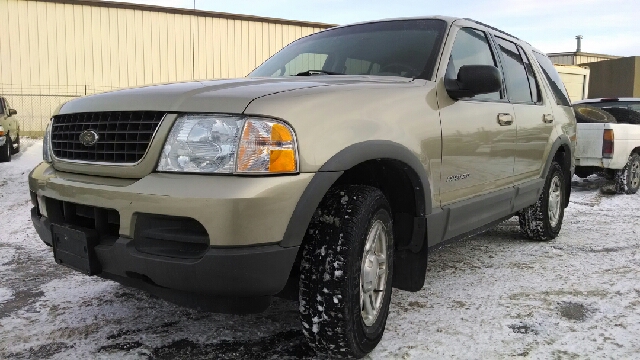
(35, 104)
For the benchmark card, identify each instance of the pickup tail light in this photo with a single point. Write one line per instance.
(607, 144)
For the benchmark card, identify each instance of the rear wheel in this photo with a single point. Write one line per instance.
(628, 179)
(5, 150)
(543, 220)
(346, 272)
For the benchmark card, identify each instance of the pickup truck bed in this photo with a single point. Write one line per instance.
(619, 163)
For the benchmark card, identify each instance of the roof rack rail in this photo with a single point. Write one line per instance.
(491, 27)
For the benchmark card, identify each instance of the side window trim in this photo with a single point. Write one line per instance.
(536, 77)
(497, 49)
(547, 81)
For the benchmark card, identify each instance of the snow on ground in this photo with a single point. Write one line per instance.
(494, 295)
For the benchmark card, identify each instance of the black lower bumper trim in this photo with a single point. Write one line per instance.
(42, 225)
(257, 271)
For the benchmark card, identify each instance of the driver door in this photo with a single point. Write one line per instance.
(478, 134)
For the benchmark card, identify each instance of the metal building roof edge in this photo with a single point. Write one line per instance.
(155, 8)
(573, 53)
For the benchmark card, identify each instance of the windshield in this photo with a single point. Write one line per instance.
(405, 48)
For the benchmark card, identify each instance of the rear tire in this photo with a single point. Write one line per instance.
(624, 116)
(543, 220)
(628, 179)
(5, 150)
(346, 271)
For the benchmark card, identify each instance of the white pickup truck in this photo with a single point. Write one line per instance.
(610, 148)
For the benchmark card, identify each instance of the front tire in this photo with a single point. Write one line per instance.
(346, 271)
(5, 150)
(628, 179)
(543, 220)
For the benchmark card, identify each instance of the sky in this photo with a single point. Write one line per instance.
(608, 26)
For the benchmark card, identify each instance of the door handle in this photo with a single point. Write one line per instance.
(505, 119)
(547, 118)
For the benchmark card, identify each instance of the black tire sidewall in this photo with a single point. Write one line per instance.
(330, 303)
(632, 159)
(5, 150)
(369, 336)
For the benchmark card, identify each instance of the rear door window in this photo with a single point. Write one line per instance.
(516, 78)
(533, 81)
(556, 84)
(471, 47)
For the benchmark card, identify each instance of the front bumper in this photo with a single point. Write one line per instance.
(234, 210)
(244, 217)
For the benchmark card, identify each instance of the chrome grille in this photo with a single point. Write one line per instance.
(123, 136)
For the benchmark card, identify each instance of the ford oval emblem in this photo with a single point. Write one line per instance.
(89, 137)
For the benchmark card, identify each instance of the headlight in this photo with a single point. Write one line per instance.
(46, 145)
(229, 144)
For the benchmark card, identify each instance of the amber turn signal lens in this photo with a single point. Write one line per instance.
(266, 146)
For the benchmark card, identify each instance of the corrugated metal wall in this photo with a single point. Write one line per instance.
(48, 44)
(52, 51)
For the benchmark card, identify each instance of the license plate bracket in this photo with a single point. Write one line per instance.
(73, 247)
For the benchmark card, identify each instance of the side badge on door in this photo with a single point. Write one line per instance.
(458, 177)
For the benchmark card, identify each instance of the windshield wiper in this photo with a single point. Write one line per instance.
(317, 72)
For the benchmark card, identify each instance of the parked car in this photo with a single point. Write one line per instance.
(328, 172)
(9, 131)
(613, 147)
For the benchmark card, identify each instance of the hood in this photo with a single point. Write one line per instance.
(224, 96)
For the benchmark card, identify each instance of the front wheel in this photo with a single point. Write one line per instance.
(543, 220)
(346, 272)
(628, 179)
(5, 150)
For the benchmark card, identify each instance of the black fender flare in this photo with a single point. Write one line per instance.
(344, 160)
(562, 140)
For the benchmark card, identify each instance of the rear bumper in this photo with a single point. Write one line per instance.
(233, 272)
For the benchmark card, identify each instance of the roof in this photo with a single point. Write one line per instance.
(125, 5)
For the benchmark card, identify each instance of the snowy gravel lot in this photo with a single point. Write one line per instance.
(494, 295)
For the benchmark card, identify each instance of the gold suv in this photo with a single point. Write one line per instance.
(328, 172)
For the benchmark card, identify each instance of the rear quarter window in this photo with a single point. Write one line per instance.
(556, 84)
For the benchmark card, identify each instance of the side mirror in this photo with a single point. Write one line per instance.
(12, 112)
(474, 80)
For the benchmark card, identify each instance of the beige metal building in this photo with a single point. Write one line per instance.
(615, 78)
(578, 58)
(575, 79)
(51, 50)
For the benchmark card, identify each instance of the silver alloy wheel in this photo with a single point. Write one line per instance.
(635, 174)
(555, 197)
(373, 273)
